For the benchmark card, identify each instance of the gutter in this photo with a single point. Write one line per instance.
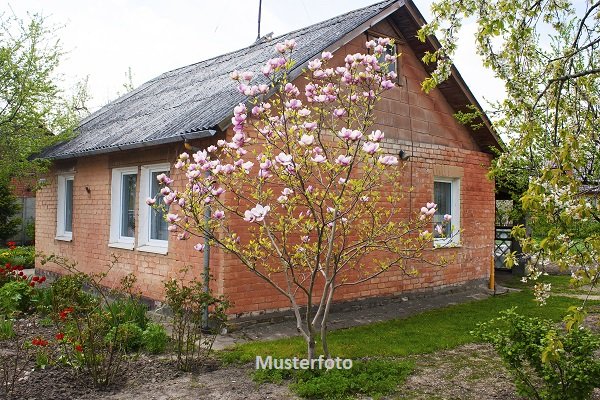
(138, 145)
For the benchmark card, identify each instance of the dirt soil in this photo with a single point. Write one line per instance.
(468, 372)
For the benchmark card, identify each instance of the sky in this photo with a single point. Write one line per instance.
(104, 39)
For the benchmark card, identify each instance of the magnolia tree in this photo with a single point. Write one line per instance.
(304, 194)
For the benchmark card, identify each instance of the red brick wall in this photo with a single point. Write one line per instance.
(421, 125)
(91, 225)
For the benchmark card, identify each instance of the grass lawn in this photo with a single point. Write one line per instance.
(422, 333)
(560, 283)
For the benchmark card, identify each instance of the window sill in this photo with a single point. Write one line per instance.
(153, 249)
(446, 245)
(118, 245)
(64, 238)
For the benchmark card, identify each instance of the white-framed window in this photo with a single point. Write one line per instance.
(153, 235)
(123, 207)
(64, 208)
(446, 194)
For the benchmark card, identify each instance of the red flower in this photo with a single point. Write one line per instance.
(32, 284)
(65, 313)
(11, 245)
(79, 348)
(42, 279)
(35, 278)
(39, 342)
(60, 336)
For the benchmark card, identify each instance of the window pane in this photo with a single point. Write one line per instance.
(158, 225)
(69, 205)
(128, 185)
(442, 196)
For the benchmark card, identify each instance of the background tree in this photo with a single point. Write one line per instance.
(9, 208)
(547, 53)
(303, 195)
(34, 112)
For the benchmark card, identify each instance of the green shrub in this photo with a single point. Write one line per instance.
(128, 310)
(15, 297)
(21, 255)
(7, 330)
(155, 338)
(188, 301)
(127, 335)
(547, 363)
(373, 378)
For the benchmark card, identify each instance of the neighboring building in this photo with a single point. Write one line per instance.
(24, 191)
(94, 202)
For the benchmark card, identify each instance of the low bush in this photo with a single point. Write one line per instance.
(128, 310)
(547, 363)
(373, 378)
(193, 336)
(155, 338)
(23, 256)
(128, 335)
(15, 297)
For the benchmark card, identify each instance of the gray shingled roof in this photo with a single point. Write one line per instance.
(193, 100)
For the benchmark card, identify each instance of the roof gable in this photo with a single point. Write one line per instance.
(193, 101)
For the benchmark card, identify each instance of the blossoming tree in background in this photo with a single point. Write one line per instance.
(304, 194)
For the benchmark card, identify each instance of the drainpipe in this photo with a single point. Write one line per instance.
(206, 272)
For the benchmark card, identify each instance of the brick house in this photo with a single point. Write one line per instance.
(93, 203)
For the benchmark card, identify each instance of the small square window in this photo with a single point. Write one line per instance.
(446, 194)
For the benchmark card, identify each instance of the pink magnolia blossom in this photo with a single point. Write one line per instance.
(256, 214)
(221, 143)
(284, 159)
(185, 235)
(343, 160)
(388, 160)
(291, 89)
(376, 136)
(314, 64)
(306, 140)
(199, 247)
(235, 75)
(319, 158)
(171, 218)
(339, 112)
(184, 156)
(438, 229)
(293, 104)
(326, 55)
(150, 201)
(305, 112)
(247, 166)
(287, 191)
(165, 191)
(219, 214)
(282, 199)
(247, 76)
(310, 126)
(447, 217)
(172, 228)
(386, 84)
(305, 239)
(370, 147)
(169, 198)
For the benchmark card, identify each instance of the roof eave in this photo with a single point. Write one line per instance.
(198, 134)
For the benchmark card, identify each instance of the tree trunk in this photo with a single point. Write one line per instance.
(311, 345)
